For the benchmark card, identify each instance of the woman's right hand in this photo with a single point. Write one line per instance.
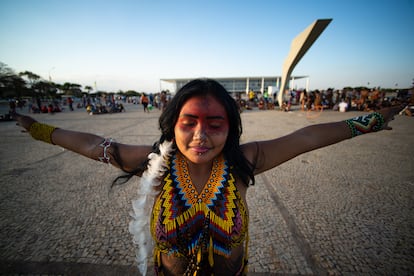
(23, 120)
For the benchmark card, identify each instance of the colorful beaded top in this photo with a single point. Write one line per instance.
(185, 222)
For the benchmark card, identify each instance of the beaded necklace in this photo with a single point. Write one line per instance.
(187, 223)
(213, 185)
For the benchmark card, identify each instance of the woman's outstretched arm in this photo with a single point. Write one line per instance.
(127, 157)
(274, 152)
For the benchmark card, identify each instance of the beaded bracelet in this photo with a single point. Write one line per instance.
(365, 124)
(42, 132)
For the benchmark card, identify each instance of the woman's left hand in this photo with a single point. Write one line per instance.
(388, 114)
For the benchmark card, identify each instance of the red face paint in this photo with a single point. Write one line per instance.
(202, 128)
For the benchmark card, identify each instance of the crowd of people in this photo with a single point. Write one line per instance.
(347, 100)
(339, 100)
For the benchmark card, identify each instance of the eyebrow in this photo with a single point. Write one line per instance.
(218, 117)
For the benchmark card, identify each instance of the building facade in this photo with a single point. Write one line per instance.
(239, 84)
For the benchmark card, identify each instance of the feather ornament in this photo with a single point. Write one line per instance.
(139, 227)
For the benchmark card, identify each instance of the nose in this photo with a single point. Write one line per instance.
(200, 133)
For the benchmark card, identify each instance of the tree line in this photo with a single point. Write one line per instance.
(29, 84)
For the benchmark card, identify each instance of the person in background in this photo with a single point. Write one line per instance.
(343, 106)
(145, 102)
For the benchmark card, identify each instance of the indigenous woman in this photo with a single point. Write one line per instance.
(191, 214)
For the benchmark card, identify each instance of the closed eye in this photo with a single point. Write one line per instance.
(215, 125)
(188, 123)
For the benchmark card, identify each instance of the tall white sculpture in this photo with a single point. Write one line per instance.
(298, 48)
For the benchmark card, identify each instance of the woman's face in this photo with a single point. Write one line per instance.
(202, 128)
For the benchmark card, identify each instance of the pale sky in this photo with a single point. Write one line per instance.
(123, 45)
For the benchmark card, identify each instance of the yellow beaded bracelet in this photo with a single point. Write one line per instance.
(42, 132)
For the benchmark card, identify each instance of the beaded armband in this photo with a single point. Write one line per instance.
(105, 145)
(365, 124)
(42, 132)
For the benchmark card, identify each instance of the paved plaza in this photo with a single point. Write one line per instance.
(347, 209)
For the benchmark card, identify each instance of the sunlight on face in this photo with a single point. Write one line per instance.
(202, 128)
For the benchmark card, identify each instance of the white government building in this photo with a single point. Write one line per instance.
(240, 84)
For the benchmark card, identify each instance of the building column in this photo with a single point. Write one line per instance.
(262, 88)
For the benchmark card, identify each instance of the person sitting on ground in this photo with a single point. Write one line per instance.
(343, 106)
(317, 102)
(302, 99)
(261, 104)
(409, 108)
(194, 179)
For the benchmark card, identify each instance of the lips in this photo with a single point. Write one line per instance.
(200, 150)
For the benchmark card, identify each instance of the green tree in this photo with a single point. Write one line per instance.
(45, 89)
(88, 88)
(33, 78)
(11, 85)
(131, 93)
(72, 89)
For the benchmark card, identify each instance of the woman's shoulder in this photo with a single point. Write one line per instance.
(250, 151)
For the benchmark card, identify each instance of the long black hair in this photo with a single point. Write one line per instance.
(232, 151)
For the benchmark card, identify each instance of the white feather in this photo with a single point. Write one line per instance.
(139, 227)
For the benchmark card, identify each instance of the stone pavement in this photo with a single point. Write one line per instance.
(343, 210)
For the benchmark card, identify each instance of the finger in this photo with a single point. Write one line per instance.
(397, 109)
